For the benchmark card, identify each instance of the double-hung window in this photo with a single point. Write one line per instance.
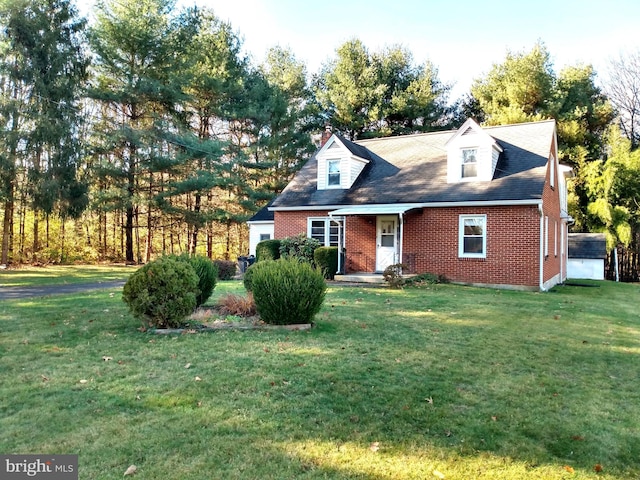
(324, 230)
(469, 162)
(472, 236)
(333, 173)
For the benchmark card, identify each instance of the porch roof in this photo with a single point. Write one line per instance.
(381, 209)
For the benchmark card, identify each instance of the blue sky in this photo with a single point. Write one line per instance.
(463, 38)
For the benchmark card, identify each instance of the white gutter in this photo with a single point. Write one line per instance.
(409, 206)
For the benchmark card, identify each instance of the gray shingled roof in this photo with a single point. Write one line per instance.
(413, 169)
(587, 245)
(263, 215)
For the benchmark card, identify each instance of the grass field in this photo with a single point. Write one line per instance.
(441, 382)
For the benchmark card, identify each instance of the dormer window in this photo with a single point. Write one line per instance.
(469, 163)
(472, 154)
(333, 173)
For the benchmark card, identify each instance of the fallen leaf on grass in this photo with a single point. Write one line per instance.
(569, 469)
(429, 400)
(106, 359)
(597, 467)
(577, 437)
(494, 418)
(44, 378)
(130, 471)
(438, 474)
(83, 381)
(187, 365)
(198, 379)
(374, 447)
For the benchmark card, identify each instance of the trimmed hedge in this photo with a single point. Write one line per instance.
(207, 272)
(268, 250)
(226, 269)
(287, 291)
(162, 293)
(247, 279)
(326, 259)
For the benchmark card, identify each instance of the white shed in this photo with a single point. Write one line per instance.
(587, 254)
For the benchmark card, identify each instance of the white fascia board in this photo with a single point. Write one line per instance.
(410, 206)
(260, 222)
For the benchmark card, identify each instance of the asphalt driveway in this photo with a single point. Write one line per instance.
(10, 293)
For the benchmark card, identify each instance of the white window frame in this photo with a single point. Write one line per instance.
(552, 171)
(462, 236)
(463, 162)
(334, 161)
(546, 237)
(328, 224)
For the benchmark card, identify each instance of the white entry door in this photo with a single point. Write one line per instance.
(386, 242)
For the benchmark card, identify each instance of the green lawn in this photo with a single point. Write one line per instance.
(446, 382)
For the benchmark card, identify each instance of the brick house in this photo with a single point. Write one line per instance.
(482, 206)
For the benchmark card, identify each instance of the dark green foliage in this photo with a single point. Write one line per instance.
(268, 250)
(300, 247)
(287, 291)
(207, 272)
(326, 258)
(162, 293)
(248, 274)
(423, 279)
(226, 269)
(393, 275)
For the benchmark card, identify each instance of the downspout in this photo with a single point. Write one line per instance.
(401, 215)
(541, 270)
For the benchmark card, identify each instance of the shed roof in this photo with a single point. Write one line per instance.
(587, 245)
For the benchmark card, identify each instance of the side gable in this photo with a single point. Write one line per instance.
(472, 154)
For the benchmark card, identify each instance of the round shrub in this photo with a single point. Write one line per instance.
(326, 258)
(162, 293)
(207, 272)
(299, 246)
(247, 279)
(268, 250)
(287, 291)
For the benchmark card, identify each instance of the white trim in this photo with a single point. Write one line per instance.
(393, 209)
(487, 203)
(541, 262)
(461, 236)
(260, 222)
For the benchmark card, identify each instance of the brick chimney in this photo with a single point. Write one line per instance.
(326, 135)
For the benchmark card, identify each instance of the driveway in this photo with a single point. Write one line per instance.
(10, 293)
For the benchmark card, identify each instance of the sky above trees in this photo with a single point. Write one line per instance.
(462, 39)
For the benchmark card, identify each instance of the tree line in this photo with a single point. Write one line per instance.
(148, 131)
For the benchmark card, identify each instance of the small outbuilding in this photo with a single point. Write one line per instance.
(260, 228)
(587, 254)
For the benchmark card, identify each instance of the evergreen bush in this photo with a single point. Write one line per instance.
(247, 279)
(207, 272)
(300, 247)
(226, 269)
(268, 250)
(162, 293)
(288, 291)
(326, 259)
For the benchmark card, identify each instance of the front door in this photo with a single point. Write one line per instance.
(386, 242)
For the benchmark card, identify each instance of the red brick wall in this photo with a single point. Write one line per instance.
(513, 245)
(551, 209)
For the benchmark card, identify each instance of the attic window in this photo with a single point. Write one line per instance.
(333, 173)
(469, 162)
